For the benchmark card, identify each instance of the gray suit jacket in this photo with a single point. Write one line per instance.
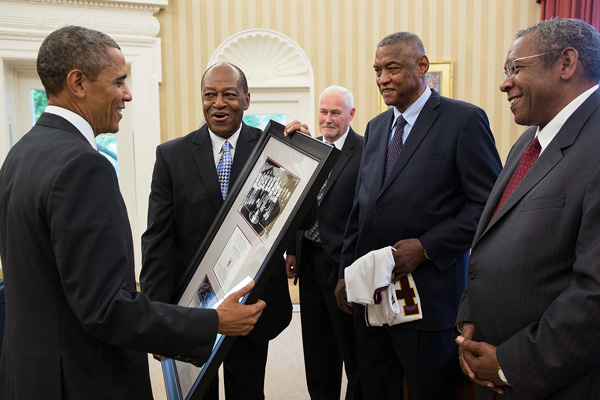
(534, 275)
(67, 255)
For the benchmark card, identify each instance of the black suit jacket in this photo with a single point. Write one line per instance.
(534, 275)
(435, 192)
(67, 257)
(184, 201)
(336, 203)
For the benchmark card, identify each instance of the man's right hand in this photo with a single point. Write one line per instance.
(290, 266)
(296, 125)
(340, 297)
(235, 318)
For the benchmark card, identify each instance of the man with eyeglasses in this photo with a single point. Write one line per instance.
(427, 168)
(530, 315)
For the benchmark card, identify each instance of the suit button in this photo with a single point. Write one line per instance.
(471, 275)
(377, 210)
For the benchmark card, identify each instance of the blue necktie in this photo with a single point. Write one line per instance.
(224, 168)
(395, 146)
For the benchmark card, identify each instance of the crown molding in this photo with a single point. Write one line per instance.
(153, 5)
(114, 17)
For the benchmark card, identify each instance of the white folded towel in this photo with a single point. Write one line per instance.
(368, 283)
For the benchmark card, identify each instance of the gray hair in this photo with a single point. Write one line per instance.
(348, 96)
(557, 34)
(69, 48)
(407, 38)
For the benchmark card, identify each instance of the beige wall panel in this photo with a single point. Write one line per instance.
(340, 37)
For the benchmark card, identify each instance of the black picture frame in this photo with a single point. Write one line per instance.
(263, 210)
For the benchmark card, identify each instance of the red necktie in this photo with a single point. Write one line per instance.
(527, 159)
(395, 146)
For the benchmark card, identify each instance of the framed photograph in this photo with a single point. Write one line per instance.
(439, 77)
(263, 210)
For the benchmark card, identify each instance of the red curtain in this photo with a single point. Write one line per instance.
(586, 10)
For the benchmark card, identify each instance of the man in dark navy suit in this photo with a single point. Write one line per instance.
(77, 328)
(427, 169)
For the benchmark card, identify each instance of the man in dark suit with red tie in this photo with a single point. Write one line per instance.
(188, 188)
(327, 332)
(530, 316)
(427, 168)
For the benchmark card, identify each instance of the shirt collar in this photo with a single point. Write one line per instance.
(548, 133)
(77, 120)
(412, 112)
(217, 141)
(339, 143)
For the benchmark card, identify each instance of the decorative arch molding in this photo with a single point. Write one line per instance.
(132, 23)
(277, 68)
(267, 57)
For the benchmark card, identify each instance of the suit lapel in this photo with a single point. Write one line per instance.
(203, 155)
(245, 145)
(348, 151)
(501, 183)
(549, 158)
(418, 132)
(381, 154)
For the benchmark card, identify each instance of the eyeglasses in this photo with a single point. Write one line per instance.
(511, 68)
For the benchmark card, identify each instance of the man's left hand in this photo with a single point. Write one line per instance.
(408, 256)
(480, 357)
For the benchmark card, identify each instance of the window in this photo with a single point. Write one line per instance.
(261, 120)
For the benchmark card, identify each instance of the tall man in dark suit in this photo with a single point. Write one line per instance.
(530, 315)
(67, 252)
(427, 168)
(185, 198)
(327, 332)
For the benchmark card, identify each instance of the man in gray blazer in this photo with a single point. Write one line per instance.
(76, 326)
(531, 314)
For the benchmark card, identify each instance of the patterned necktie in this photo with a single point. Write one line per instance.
(224, 168)
(313, 233)
(527, 159)
(395, 146)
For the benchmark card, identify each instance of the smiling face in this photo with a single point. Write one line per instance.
(400, 72)
(106, 96)
(532, 90)
(223, 100)
(334, 116)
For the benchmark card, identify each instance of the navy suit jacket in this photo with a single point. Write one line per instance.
(67, 257)
(435, 192)
(534, 275)
(184, 201)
